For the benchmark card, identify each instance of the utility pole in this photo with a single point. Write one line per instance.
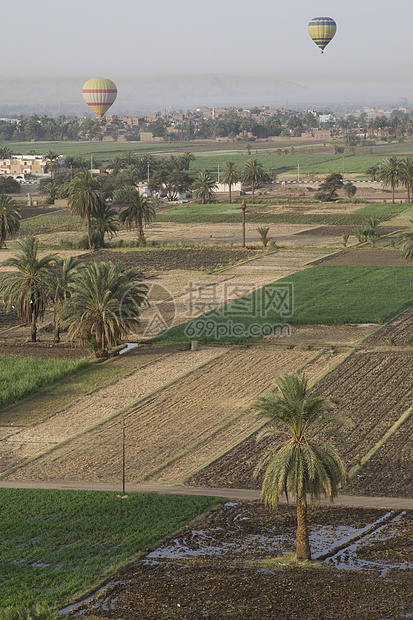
(298, 171)
(123, 458)
(243, 207)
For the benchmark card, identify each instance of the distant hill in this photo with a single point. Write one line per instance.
(54, 96)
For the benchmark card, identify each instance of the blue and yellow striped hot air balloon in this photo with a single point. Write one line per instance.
(322, 30)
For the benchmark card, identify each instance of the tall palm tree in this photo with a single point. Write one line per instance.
(51, 157)
(104, 304)
(28, 288)
(130, 158)
(253, 174)
(406, 243)
(304, 463)
(136, 209)
(204, 186)
(105, 221)
(9, 218)
(389, 173)
(63, 276)
(406, 176)
(230, 176)
(84, 196)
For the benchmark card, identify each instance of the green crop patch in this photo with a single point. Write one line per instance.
(232, 213)
(20, 377)
(319, 295)
(56, 545)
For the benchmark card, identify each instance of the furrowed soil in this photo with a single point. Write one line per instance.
(362, 257)
(375, 389)
(171, 432)
(169, 259)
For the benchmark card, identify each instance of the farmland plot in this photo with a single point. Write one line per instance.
(398, 332)
(375, 390)
(174, 421)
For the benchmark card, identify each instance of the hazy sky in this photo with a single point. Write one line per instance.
(371, 52)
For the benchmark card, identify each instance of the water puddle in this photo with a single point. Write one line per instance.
(129, 346)
(106, 604)
(340, 547)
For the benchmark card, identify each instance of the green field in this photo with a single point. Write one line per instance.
(20, 377)
(58, 545)
(311, 160)
(231, 213)
(62, 222)
(104, 150)
(319, 295)
(310, 163)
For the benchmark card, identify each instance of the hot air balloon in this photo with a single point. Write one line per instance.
(322, 30)
(99, 94)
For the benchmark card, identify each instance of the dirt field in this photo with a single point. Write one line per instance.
(374, 257)
(339, 231)
(398, 332)
(375, 390)
(203, 408)
(217, 569)
(170, 259)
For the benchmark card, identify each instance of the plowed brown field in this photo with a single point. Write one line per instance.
(375, 390)
(205, 409)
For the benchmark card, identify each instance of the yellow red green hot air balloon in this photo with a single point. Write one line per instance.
(322, 30)
(99, 94)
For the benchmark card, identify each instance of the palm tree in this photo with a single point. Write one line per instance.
(137, 209)
(253, 174)
(389, 173)
(104, 304)
(230, 176)
(130, 158)
(406, 243)
(84, 196)
(304, 464)
(9, 218)
(104, 222)
(406, 176)
(51, 157)
(29, 287)
(186, 159)
(5, 152)
(204, 186)
(63, 276)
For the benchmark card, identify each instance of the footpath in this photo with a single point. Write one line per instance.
(357, 501)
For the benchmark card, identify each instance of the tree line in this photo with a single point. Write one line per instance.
(394, 172)
(233, 124)
(98, 303)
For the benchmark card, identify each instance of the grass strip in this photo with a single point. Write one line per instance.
(59, 545)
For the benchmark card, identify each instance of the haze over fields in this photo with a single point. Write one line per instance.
(218, 53)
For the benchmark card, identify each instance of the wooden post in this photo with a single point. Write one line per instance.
(243, 207)
(123, 457)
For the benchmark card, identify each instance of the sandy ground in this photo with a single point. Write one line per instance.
(95, 408)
